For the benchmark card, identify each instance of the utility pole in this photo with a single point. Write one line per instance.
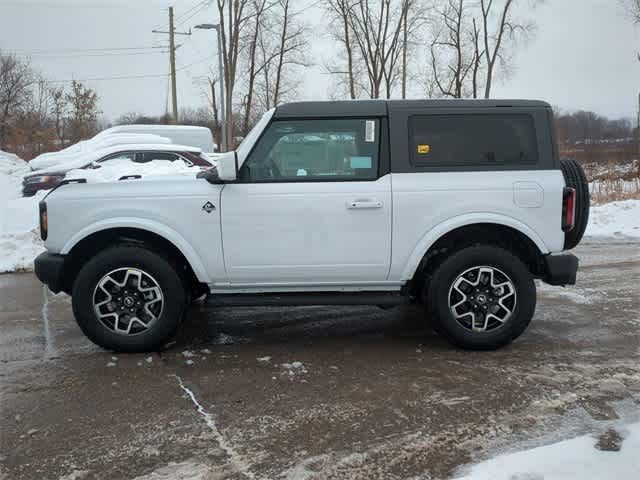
(172, 63)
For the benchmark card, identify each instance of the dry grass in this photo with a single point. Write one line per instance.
(612, 181)
(604, 191)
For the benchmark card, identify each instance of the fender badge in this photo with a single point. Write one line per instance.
(208, 207)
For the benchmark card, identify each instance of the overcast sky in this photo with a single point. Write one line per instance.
(583, 55)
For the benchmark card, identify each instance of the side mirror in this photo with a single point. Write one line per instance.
(225, 170)
(227, 166)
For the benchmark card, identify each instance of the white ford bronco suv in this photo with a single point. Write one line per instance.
(456, 205)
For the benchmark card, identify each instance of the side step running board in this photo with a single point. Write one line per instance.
(306, 298)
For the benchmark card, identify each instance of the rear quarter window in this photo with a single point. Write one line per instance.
(472, 140)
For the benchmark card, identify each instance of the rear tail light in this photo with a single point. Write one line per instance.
(568, 209)
(44, 223)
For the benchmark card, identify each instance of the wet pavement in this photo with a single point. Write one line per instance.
(314, 392)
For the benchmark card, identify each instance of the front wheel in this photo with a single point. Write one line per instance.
(481, 298)
(128, 299)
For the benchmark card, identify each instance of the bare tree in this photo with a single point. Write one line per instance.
(477, 58)
(16, 80)
(499, 27)
(281, 46)
(471, 40)
(83, 111)
(58, 111)
(235, 17)
(37, 127)
(377, 36)
(254, 70)
(290, 47)
(372, 36)
(217, 130)
(633, 6)
(453, 55)
(405, 45)
(634, 10)
(339, 11)
(266, 46)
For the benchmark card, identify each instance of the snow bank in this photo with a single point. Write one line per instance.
(19, 236)
(578, 458)
(615, 219)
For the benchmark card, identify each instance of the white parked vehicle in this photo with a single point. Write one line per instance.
(86, 147)
(107, 158)
(191, 135)
(456, 205)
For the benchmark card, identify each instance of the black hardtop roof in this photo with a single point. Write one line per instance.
(379, 108)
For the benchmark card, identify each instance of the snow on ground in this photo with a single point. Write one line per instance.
(615, 219)
(189, 470)
(613, 455)
(19, 235)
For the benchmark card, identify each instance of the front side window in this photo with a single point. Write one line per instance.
(315, 150)
(473, 140)
(151, 156)
(122, 156)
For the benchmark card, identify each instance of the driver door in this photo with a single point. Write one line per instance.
(310, 207)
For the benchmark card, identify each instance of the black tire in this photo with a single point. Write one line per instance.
(440, 286)
(150, 263)
(575, 177)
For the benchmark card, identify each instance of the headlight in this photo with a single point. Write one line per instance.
(38, 179)
(44, 221)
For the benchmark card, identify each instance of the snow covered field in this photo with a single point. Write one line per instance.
(20, 240)
(615, 220)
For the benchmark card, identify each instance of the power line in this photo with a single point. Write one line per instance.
(190, 9)
(77, 4)
(83, 55)
(195, 63)
(199, 4)
(195, 9)
(74, 50)
(124, 77)
(130, 77)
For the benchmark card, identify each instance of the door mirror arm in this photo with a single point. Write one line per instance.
(211, 176)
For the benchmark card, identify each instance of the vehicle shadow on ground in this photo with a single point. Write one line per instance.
(204, 326)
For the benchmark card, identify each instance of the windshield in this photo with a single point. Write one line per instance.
(247, 143)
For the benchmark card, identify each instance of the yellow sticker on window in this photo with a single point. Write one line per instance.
(423, 149)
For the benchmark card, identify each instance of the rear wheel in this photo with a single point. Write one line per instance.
(128, 299)
(481, 298)
(575, 178)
